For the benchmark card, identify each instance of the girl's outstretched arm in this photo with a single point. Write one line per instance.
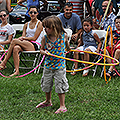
(42, 49)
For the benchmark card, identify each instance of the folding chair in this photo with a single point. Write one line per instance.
(101, 34)
(69, 33)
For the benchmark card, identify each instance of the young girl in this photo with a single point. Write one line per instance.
(116, 38)
(6, 30)
(88, 39)
(31, 32)
(54, 42)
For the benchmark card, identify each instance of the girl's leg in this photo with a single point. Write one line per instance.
(62, 100)
(86, 58)
(16, 51)
(62, 108)
(48, 98)
(25, 45)
(116, 56)
(76, 56)
(47, 102)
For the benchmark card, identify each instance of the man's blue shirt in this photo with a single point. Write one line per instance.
(74, 22)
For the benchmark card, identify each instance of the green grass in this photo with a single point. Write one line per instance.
(89, 98)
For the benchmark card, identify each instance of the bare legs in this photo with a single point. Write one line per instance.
(48, 102)
(76, 56)
(15, 47)
(48, 98)
(116, 56)
(86, 58)
(62, 100)
(16, 51)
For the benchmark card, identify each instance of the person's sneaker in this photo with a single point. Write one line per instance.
(85, 72)
(73, 73)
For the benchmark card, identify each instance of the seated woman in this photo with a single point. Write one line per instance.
(31, 32)
(6, 30)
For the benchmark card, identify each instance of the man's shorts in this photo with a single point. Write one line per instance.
(61, 82)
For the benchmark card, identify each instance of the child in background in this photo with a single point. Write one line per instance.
(54, 42)
(6, 30)
(116, 38)
(88, 38)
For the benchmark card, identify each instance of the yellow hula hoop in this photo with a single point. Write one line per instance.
(74, 60)
(105, 13)
(109, 27)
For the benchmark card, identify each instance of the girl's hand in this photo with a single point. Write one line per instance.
(46, 53)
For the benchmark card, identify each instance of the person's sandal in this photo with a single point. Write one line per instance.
(109, 73)
(85, 73)
(114, 73)
(73, 73)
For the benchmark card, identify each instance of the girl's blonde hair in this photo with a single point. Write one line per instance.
(53, 22)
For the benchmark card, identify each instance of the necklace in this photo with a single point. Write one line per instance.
(32, 24)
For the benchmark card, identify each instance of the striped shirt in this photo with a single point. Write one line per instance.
(78, 7)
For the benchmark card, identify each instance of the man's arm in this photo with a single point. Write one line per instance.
(75, 36)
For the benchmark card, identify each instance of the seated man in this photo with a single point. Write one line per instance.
(71, 20)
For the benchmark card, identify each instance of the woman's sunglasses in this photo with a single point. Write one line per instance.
(3, 15)
(33, 12)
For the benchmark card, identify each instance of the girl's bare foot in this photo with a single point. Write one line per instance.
(14, 74)
(61, 110)
(44, 104)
